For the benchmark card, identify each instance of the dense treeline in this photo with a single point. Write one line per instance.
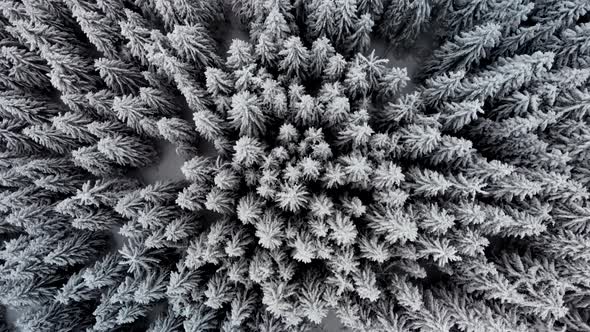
(455, 199)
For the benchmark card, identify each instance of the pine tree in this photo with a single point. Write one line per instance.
(266, 51)
(132, 110)
(292, 197)
(74, 125)
(240, 54)
(51, 138)
(242, 307)
(177, 130)
(361, 38)
(100, 29)
(404, 20)
(465, 16)
(455, 116)
(356, 80)
(127, 151)
(321, 51)
(505, 76)
(99, 102)
(466, 50)
(192, 198)
(343, 229)
(73, 251)
(159, 100)
(246, 115)
(218, 82)
(23, 69)
(29, 108)
(571, 49)
(193, 44)
(392, 82)
(113, 9)
(295, 58)
(92, 160)
(334, 68)
(269, 231)
(165, 322)
(55, 316)
(344, 19)
(209, 125)
(335, 185)
(320, 19)
(395, 225)
(136, 30)
(121, 77)
(372, 7)
(198, 169)
(442, 87)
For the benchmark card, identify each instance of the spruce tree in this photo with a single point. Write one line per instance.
(319, 176)
(466, 50)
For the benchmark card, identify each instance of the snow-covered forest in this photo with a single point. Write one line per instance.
(271, 165)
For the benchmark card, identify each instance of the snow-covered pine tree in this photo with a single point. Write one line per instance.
(456, 201)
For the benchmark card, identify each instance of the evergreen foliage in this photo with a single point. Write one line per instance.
(318, 177)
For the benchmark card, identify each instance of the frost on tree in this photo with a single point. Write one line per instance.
(317, 176)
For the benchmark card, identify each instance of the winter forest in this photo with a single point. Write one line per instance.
(391, 165)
